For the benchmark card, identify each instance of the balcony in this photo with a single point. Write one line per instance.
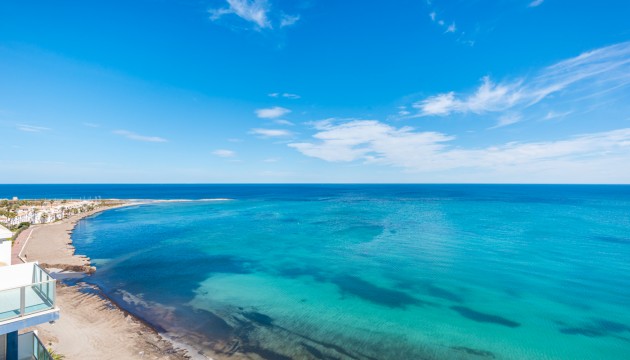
(30, 347)
(27, 297)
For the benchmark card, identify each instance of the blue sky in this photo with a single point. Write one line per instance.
(216, 91)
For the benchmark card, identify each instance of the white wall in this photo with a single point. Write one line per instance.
(5, 252)
(16, 275)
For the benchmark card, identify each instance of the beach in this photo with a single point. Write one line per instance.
(90, 325)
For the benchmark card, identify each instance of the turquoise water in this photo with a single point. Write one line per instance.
(377, 272)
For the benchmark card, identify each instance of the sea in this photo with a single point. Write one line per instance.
(367, 271)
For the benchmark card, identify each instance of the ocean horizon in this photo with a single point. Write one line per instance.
(369, 271)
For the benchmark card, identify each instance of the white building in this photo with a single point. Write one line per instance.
(27, 298)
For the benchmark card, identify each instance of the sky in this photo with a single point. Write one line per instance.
(315, 91)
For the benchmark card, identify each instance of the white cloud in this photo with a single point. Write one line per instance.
(288, 20)
(291, 96)
(271, 132)
(451, 28)
(284, 95)
(367, 140)
(92, 125)
(607, 67)
(374, 142)
(255, 11)
(271, 160)
(555, 115)
(31, 128)
(432, 15)
(224, 153)
(133, 136)
(508, 119)
(536, 3)
(441, 104)
(283, 122)
(272, 113)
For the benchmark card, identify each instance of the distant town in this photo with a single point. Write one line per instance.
(14, 212)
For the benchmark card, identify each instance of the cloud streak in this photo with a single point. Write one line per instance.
(607, 67)
(31, 128)
(256, 12)
(285, 95)
(133, 136)
(373, 142)
(271, 132)
(272, 113)
(224, 153)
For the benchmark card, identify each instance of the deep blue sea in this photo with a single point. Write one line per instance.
(368, 271)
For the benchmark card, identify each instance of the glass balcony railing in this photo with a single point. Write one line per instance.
(30, 347)
(31, 290)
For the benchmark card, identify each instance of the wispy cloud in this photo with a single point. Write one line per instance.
(607, 67)
(133, 136)
(31, 128)
(451, 28)
(448, 29)
(224, 153)
(257, 12)
(284, 95)
(288, 20)
(556, 115)
(369, 140)
(508, 119)
(254, 11)
(271, 132)
(92, 125)
(283, 122)
(374, 142)
(272, 113)
(536, 3)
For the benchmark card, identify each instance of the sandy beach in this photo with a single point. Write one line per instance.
(90, 326)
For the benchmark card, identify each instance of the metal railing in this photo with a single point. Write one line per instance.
(30, 347)
(39, 295)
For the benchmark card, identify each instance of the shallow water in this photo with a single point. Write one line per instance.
(377, 272)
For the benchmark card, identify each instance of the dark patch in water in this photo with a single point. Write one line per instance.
(226, 264)
(472, 351)
(206, 322)
(596, 328)
(375, 294)
(264, 353)
(483, 317)
(443, 294)
(313, 351)
(361, 233)
(295, 272)
(612, 239)
(259, 318)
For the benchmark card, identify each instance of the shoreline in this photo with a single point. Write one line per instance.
(91, 324)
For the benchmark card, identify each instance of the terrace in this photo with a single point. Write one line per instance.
(27, 297)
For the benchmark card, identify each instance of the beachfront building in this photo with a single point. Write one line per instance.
(46, 214)
(27, 298)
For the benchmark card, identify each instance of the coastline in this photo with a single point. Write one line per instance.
(91, 325)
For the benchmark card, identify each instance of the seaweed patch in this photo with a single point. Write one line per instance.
(483, 317)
